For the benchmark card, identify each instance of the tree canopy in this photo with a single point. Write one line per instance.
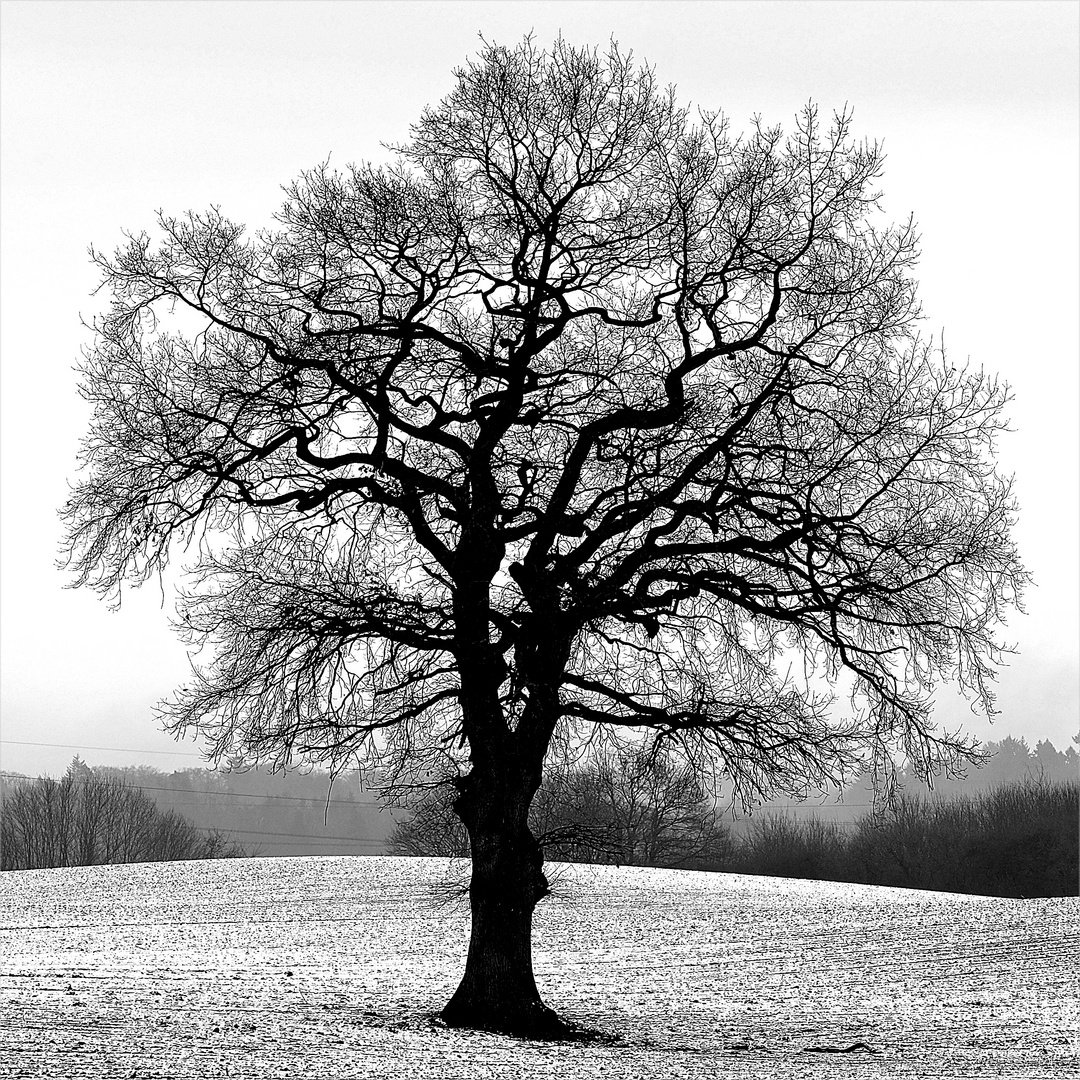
(581, 416)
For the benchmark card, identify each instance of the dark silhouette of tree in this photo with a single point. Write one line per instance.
(582, 417)
(88, 820)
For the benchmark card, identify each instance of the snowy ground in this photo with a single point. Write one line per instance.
(328, 968)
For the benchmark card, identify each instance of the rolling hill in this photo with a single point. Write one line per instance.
(332, 967)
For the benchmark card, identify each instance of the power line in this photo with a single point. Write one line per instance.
(116, 749)
(305, 836)
(316, 839)
(204, 791)
(306, 848)
(762, 809)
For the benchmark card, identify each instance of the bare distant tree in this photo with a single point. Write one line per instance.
(432, 828)
(571, 820)
(662, 814)
(87, 820)
(634, 807)
(582, 417)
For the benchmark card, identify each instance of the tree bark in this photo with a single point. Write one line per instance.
(498, 990)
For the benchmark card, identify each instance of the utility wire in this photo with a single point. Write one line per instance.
(116, 749)
(200, 791)
(305, 836)
(808, 805)
(248, 832)
(830, 800)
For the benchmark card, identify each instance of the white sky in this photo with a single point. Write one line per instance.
(112, 110)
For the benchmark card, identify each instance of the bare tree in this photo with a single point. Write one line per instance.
(661, 813)
(581, 417)
(432, 828)
(87, 820)
(633, 807)
(570, 819)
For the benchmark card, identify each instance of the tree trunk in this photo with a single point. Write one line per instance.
(498, 990)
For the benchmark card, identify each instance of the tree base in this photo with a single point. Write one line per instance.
(531, 1021)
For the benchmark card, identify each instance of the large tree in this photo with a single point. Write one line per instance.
(582, 416)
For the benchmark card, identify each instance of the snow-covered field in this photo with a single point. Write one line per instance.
(327, 968)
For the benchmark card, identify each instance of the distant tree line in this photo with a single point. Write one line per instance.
(1010, 828)
(296, 813)
(1007, 761)
(271, 813)
(1017, 838)
(1010, 760)
(1020, 839)
(84, 819)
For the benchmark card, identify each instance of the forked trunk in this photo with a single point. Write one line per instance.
(498, 990)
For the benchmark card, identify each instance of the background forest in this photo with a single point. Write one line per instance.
(1007, 828)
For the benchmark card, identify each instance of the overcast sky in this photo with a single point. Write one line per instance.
(112, 110)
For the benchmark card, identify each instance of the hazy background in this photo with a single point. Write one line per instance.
(112, 110)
